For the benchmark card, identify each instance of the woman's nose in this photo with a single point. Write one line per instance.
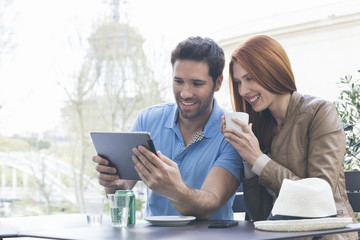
(243, 90)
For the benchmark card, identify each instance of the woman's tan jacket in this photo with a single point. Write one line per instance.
(311, 143)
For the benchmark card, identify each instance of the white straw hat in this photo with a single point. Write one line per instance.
(303, 205)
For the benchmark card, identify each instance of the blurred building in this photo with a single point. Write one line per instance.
(323, 45)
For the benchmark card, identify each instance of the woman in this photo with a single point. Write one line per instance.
(290, 136)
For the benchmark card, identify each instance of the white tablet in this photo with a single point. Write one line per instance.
(117, 148)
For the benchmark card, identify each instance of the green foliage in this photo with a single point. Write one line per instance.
(348, 107)
(40, 144)
(20, 144)
(13, 144)
(30, 207)
(139, 205)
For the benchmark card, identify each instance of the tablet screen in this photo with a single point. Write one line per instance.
(117, 148)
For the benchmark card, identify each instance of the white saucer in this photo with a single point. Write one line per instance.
(170, 220)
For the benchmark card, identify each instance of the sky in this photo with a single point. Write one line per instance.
(32, 77)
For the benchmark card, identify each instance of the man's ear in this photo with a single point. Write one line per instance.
(218, 82)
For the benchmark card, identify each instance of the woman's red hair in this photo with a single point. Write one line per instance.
(268, 64)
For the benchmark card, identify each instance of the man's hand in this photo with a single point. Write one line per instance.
(108, 177)
(163, 176)
(159, 173)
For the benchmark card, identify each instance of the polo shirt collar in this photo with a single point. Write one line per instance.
(172, 119)
(212, 126)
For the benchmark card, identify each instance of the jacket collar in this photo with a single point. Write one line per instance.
(293, 107)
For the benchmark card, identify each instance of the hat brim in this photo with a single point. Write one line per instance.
(302, 225)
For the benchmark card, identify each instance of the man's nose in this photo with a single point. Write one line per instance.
(186, 92)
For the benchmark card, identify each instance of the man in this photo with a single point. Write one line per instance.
(196, 172)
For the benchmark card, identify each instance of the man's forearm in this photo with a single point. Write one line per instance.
(217, 188)
(199, 203)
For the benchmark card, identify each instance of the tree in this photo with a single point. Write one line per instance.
(126, 81)
(7, 42)
(75, 114)
(40, 170)
(113, 84)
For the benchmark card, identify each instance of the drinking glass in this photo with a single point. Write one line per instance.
(94, 208)
(119, 209)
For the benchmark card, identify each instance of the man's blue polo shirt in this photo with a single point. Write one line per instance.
(195, 161)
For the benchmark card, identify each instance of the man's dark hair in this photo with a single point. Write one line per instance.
(201, 49)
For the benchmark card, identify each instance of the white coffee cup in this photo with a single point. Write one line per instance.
(242, 116)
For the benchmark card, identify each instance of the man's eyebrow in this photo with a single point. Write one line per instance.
(193, 80)
(197, 80)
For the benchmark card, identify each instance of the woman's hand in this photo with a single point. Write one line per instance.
(245, 142)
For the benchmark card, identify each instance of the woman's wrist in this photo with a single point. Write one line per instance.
(248, 173)
(260, 163)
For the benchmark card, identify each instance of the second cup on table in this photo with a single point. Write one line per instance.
(119, 209)
(242, 116)
(94, 207)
